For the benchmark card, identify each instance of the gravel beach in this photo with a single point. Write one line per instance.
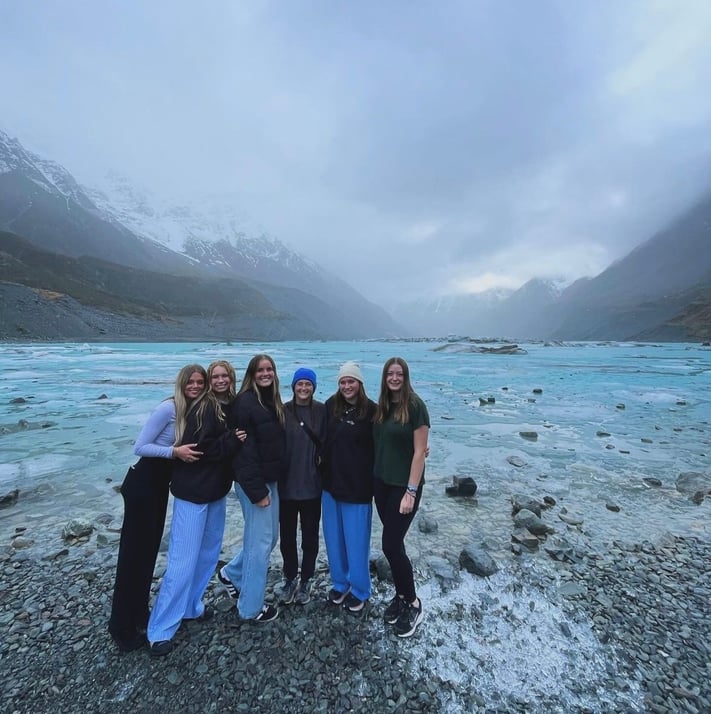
(633, 634)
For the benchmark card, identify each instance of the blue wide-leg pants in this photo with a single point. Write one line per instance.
(193, 551)
(346, 532)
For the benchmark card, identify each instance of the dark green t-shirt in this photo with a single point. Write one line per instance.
(395, 445)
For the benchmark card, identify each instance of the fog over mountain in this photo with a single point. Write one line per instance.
(100, 278)
(417, 152)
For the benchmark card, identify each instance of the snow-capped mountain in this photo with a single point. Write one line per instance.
(214, 233)
(47, 174)
(209, 240)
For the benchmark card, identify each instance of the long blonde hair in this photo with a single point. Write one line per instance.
(231, 373)
(182, 406)
(249, 384)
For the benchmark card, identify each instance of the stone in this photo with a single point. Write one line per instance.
(537, 390)
(464, 486)
(612, 507)
(529, 435)
(444, 571)
(382, 568)
(524, 537)
(620, 406)
(10, 498)
(516, 461)
(477, 561)
(526, 519)
(77, 528)
(427, 524)
(518, 503)
(18, 400)
(602, 433)
(652, 482)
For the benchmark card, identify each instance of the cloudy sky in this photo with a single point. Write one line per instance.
(413, 147)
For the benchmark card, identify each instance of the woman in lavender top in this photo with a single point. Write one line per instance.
(145, 495)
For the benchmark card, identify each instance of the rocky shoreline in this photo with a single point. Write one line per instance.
(624, 629)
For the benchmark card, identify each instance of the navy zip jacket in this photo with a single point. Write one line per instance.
(209, 478)
(262, 458)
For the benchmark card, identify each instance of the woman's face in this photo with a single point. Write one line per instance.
(303, 391)
(220, 380)
(394, 377)
(195, 386)
(349, 388)
(264, 376)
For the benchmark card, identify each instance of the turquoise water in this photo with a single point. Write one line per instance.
(84, 405)
(67, 441)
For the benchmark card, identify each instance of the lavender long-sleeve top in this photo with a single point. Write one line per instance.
(158, 433)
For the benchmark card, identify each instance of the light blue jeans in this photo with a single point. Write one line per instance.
(248, 569)
(346, 533)
(195, 540)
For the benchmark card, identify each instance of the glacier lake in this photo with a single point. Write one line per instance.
(608, 428)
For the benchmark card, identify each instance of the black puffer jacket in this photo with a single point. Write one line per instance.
(349, 455)
(209, 478)
(262, 458)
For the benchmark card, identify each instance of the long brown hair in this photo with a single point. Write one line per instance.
(182, 406)
(249, 384)
(401, 409)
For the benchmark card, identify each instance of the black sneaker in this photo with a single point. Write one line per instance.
(303, 594)
(227, 584)
(268, 613)
(410, 617)
(392, 611)
(286, 591)
(353, 604)
(161, 648)
(336, 596)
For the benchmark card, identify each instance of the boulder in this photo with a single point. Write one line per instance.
(525, 538)
(464, 486)
(477, 561)
(519, 503)
(444, 571)
(527, 519)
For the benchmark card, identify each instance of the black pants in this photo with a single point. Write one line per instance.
(145, 498)
(395, 527)
(309, 513)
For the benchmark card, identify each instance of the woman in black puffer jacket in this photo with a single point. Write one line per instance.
(258, 466)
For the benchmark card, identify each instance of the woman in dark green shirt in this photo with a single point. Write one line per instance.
(400, 432)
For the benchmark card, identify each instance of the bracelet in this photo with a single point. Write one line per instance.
(411, 489)
(409, 493)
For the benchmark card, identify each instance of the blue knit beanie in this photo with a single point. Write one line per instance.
(304, 373)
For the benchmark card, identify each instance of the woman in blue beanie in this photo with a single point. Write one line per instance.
(300, 489)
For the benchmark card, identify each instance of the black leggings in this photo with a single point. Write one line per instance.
(395, 527)
(145, 496)
(309, 512)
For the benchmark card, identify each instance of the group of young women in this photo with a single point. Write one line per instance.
(302, 462)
